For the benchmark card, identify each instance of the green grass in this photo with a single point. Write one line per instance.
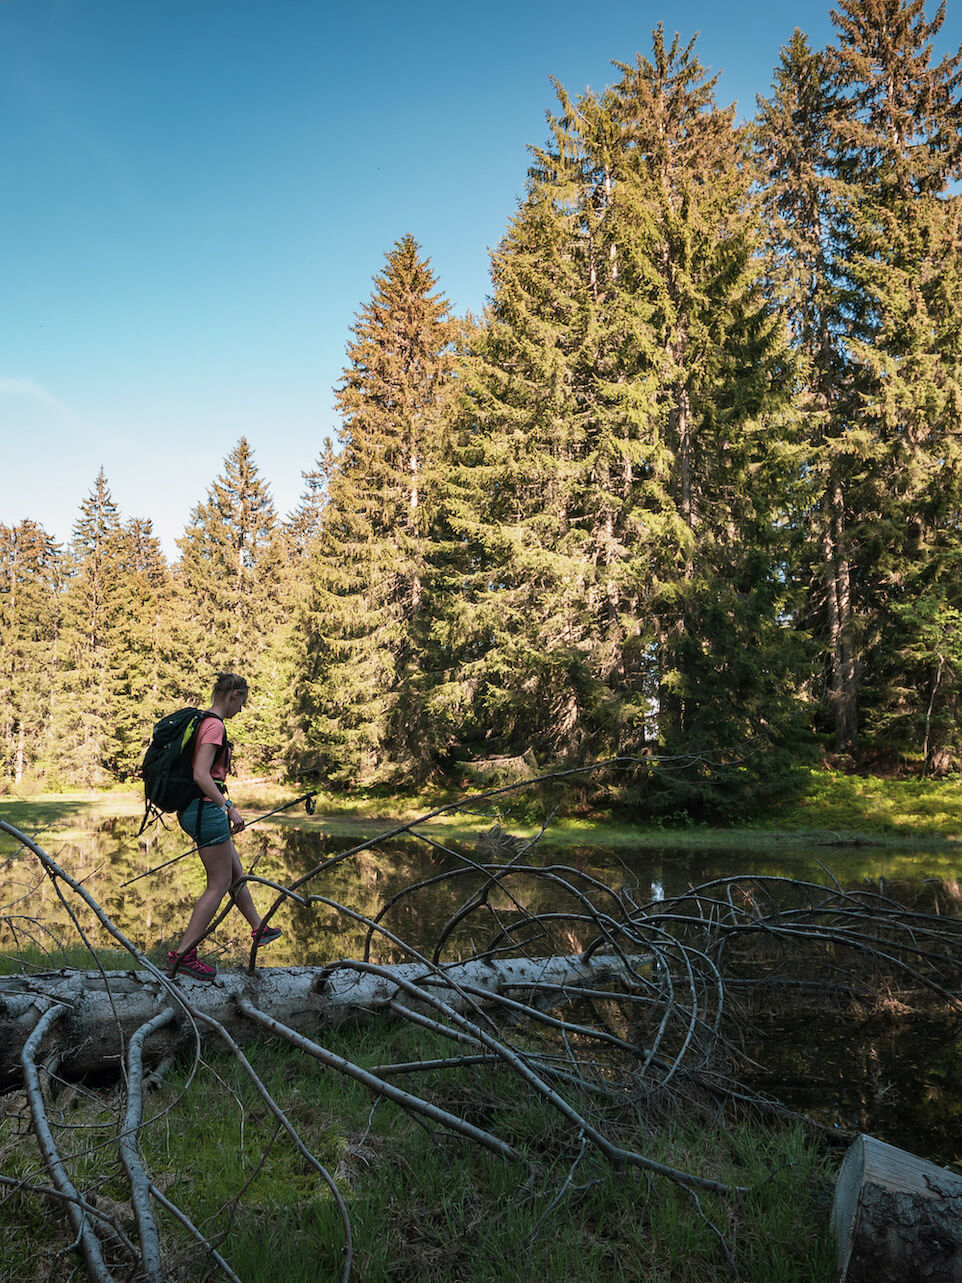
(885, 810)
(33, 957)
(869, 804)
(426, 1206)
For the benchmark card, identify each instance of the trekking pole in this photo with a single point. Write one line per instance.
(306, 798)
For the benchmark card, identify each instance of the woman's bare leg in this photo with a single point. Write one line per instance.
(223, 869)
(242, 897)
(218, 862)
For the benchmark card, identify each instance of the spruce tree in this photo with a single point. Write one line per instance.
(303, 525)
(860, 142)
(141, 634)
(30, 578)
(621, 473)
(366, 624)
(899, 140)
(724, 375)
(804, 205)
(229, 584)
(538, 433)
(92, 660)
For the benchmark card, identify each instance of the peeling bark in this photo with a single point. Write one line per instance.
(102, 1011)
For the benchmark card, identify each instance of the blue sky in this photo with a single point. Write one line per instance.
(197, 194)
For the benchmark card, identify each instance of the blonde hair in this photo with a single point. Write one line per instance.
(227, 682)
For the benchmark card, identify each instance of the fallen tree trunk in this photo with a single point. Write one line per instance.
(104, 1009)
(897, 1218)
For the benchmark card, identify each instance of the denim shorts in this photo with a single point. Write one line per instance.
(214, 825)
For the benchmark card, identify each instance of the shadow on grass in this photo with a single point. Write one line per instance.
(38, 816)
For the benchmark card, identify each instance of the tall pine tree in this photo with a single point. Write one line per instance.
(860, 142)
(723, 371)
(622, 482)
(229, 584)
(93, 656)
(803, 206)
(899, 140)
(141, 633)
(30, 578)
(366, 626)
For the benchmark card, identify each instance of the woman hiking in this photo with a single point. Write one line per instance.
(210, 820)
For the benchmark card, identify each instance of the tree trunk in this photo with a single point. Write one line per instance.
(838, 600)
(104, 1009)
(896, 1218)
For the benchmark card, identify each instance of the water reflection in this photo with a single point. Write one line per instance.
(108, 857)
(894, 1077)
(414, 892)
(109, 861)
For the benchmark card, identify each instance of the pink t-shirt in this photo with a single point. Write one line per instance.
(213, 731)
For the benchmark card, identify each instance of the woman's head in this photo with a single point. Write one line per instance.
(225, 683)
(230, 693)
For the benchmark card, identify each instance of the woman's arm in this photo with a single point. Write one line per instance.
(203, 761)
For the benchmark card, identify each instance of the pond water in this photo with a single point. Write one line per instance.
(895, 1077)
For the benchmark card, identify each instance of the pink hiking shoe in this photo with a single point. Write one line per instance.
(264, 935)
(188, 964)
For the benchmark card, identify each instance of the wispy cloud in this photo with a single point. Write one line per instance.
(26, 390)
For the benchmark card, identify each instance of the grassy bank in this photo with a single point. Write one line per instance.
(425, 1206)
(834, 806)
(900, 808)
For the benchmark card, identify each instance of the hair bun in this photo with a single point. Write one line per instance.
(226, 682)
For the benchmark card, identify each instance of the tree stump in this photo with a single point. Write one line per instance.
(896, 1218)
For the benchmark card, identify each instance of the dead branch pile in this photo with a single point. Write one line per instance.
(590, 997)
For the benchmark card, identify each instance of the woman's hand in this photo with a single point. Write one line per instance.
(235, 819)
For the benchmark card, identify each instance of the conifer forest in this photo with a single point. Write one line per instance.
(687, 493)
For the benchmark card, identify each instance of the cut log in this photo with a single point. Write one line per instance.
(104, 1009)
(896, 1218)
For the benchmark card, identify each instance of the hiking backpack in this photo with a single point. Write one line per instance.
(168, 766)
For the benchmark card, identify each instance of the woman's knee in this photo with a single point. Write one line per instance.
(218, 867)
(218, 885)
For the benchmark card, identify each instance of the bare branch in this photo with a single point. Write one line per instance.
(414, 1104)
(87, 1239)
(192, 1229)
(130, 1154)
